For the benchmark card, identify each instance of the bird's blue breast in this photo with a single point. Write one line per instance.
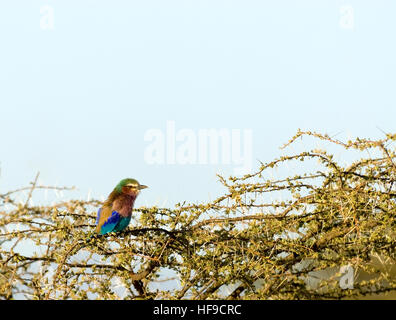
(114, 223)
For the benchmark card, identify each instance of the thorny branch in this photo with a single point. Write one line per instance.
(262, 239)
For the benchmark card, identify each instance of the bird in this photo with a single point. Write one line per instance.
(116, 212)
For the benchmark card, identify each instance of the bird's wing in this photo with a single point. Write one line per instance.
(106, 220)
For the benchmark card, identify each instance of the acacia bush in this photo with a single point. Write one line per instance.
(264, 238)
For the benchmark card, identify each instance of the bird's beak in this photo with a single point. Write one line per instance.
(142, 186)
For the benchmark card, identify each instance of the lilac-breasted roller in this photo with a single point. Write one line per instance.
(115, 214)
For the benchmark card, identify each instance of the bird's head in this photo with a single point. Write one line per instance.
(129, 186)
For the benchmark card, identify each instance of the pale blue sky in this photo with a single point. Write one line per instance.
(77, 100)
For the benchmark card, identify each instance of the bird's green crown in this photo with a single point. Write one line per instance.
(129, 182)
